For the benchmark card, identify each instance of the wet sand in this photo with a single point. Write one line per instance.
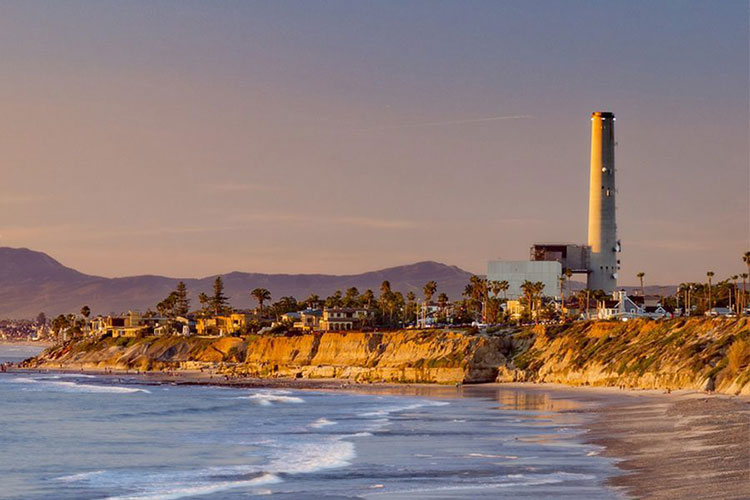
(686, 445)
(669, 446)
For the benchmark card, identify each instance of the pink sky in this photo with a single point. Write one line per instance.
(188, 139)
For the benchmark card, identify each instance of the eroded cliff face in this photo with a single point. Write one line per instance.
(676, 354)
(403, 356)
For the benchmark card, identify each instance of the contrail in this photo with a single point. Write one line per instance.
(450, 122)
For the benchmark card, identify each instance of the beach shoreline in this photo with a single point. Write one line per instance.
(667, 445)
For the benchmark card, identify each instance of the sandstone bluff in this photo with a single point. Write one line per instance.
(676, 354)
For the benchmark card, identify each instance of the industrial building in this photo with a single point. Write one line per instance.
(598, 259)
(515, 272)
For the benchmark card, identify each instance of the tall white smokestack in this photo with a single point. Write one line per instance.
(602, 223)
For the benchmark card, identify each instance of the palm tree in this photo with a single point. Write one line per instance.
(504, 286)
(736, 294)
(640, 277)
(261, 295)
(85, 312)
(744, 277)
(429, 290)
(709, 275)
(531, 291)
(746, 260)
(312, 301)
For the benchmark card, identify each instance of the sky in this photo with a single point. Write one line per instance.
(191, 138)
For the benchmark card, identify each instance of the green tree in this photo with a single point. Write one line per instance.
(351, 299)
(387, 300)
(429, 290)
(367, 298)
(312, 302)
(261, 295)
(335, 300)
(41, 319)
(219, 302)
(411, 307)
(205, 302)
(182, 303)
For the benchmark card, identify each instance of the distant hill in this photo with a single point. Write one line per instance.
(32, 281)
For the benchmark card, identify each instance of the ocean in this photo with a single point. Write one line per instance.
(77, 436)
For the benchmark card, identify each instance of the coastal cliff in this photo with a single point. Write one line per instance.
(676, 354)
(698, 353)
(402, 356)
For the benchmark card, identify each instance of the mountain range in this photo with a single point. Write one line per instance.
(33, 282)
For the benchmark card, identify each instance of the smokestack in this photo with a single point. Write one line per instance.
(603, 265)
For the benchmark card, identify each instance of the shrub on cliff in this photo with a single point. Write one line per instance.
(739, 355)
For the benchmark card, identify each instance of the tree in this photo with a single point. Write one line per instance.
(261, 295)
(411, 306)
(640, 276)
(367, 298)
(335, 300)
(709, 275)
(429, 290)
(746, 260)
(182, 303)
(351, 299)
(219, 302)
(532, 292)
(744, 277)
(387, 300)
(85, 312)
(205, 302)
(41, 319)
(312, 302)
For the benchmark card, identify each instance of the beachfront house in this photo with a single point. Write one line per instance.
(223, 325)
(344, 318)
(309, 320)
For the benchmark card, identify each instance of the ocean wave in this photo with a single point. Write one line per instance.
(181, 491)
(302, 458)
(322, 422)
(65, 386)
(80, 477)
(269, 398)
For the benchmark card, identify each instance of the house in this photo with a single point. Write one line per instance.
(309, 320)
(223, 325)
(130, 325)
(656, 312)
(620, 306)
(291, 317)
(343, 318)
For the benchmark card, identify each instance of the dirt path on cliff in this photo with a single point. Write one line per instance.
(678, 446)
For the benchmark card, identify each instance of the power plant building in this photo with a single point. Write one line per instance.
(515, 272)
(598, 259)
